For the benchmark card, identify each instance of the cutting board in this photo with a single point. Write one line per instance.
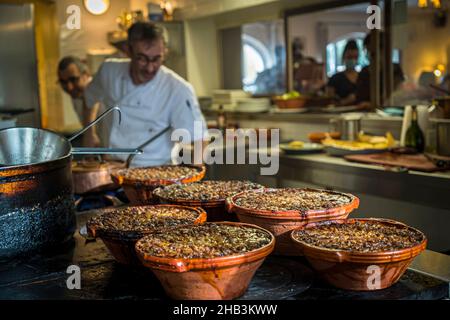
(410, 161)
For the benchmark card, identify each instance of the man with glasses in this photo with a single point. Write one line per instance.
(74, 77)
(151, 97)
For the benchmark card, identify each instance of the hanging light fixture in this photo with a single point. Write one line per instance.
(422, 3)
(167, 8)
(96, 7)
(436, 4)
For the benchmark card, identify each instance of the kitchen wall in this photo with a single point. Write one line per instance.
(202, 55)
(91, 36)
(223, 14)
(423, 45)
(203, 49)
(334, 23)
(47, 52)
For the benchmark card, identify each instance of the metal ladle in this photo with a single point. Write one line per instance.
(146, 143)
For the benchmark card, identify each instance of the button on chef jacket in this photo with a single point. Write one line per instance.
(166, 100)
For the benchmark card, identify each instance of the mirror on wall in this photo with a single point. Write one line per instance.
(420, 35)
(259, 67)
(332, 54)
(328, 52)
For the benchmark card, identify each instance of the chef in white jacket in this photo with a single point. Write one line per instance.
(150, 96)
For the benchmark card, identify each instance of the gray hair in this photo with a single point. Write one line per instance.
(68, 60)
(146, 31)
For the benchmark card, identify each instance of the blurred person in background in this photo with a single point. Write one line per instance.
(342, 85)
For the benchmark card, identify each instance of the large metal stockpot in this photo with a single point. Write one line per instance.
(37, 208)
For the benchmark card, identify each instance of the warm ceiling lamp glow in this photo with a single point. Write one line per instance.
(422, 3)
(436, 3)
(437, 73)
(96, 7)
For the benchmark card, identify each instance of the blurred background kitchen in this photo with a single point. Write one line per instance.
(306, 67)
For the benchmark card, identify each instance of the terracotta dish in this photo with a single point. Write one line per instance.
(218, 277)
(292, 103)
(281, 222)
(140, 190)
(210, 195)
(119, 229)
(373, 264)
(93, 176)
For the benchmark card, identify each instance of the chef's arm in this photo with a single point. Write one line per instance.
(90, 137)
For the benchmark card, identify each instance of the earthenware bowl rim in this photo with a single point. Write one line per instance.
(294, 214)
(209, 203)
(355, 254)
(128, 235)
(120, 179)
(194, 264)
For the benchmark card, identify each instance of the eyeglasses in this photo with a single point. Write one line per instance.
(144, 60)
(73, 80)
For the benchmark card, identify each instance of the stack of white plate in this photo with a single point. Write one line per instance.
(289, 110)
(227, 98)
(226, 107)
(253, 105)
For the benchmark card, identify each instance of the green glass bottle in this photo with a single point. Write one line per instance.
(414, 136)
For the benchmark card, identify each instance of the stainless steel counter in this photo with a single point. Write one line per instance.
(429, 189)
(434, 264)
(415, 198)
(299, 125)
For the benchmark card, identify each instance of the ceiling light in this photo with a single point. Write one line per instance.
(96, 7)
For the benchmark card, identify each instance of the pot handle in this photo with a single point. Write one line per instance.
(105, 151)
(146, 143)
(104, 114)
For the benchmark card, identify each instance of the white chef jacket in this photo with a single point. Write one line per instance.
(166, 100)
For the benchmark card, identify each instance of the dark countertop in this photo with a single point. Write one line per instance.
(311, 117)
(423, 188)
(44, 276)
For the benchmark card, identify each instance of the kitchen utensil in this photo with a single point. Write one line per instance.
(221, 278)
(338, 109)
(36, 189)
(291, 103)
(280, 223)
(410, 161)
(317, 137)
(121, 243)
(146, 143)
(289, 110)
(350, 270)
(341, 152)
(308, 148)
(215, 208)
(442, 136)
(140, 192)
(29, 146)
(349, 125)
(94, 175)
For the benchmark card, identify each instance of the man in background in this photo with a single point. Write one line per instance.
(74, 77)
(154, 100)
